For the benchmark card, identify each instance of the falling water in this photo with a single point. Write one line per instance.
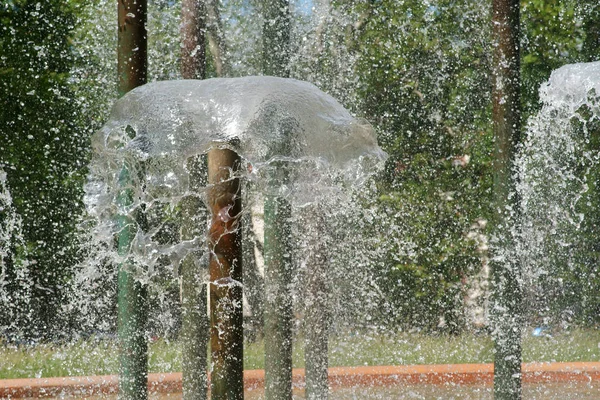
(367, 235)
(559, 187)
(14, 268)
(269, 121)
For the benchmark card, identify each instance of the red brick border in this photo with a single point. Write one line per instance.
(338, 377)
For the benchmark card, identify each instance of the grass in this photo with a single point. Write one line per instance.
(96, 357)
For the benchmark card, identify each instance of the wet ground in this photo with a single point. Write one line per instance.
(548, 391)
(552, 391)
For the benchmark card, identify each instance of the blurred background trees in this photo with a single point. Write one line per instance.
(418, 70)
(43, 152)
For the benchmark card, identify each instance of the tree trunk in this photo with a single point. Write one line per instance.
(276, 37)
(132, 45)
(216, 40)
(506, 263)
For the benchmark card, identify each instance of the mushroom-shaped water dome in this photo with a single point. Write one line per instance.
(264, 119)
(268, 117)
(273, 123)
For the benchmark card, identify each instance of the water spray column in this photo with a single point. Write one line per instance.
(277, 246)
(506, 268)
(194, 329)
(132, 297)
(225, 245)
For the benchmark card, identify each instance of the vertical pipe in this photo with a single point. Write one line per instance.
(216, 39)
(316, 319)
(132, 296)
(276, 37)
(132, 45)
(194, 329)
(225, 266)
(278, 299)
(193, 30)
(132, 305)
(506, 270)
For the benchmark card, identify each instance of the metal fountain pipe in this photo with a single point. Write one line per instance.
(316, 319)
(506, 273)
(132, 305)
(132, 45)
(278, 298)
(225, 266)
(193, 271)
(194, 329)
(132, 296)
(277, 237)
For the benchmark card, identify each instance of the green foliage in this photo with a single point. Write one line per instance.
(589, 12)
(552, 36)
(424, 80)
(425, 70)
(42, 150)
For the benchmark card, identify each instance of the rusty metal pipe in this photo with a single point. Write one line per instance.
(225, 266)
(132, 45)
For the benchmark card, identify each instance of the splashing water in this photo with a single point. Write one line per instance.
(558, 183)
(14, 268)
(271, 122)
(159, 127)
(266, 120)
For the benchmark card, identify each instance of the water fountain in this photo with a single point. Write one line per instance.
(274, 143)
(558, 188)
(292, 142)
